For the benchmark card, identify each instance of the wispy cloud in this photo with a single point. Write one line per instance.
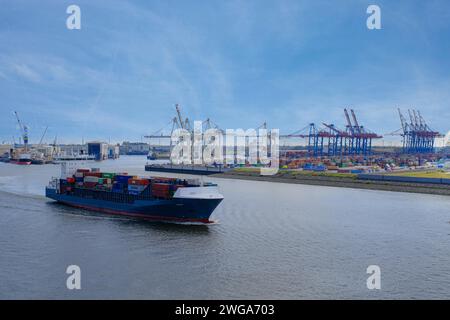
(25, 72)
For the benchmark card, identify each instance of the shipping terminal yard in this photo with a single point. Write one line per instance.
(349, 155)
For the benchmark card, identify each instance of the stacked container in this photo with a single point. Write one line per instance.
(118, 187)
(136, 186)
(161, 190)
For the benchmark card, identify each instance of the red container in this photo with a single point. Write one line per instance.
(163, 179)
(70, 180)
(161, 186)
(160, 194)
(93, 174)
(89, 184)
(161, 190)
(140, 182)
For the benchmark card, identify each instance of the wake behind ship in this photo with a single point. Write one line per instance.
(157, 198)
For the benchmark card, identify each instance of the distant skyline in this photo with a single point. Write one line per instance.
(239, 63)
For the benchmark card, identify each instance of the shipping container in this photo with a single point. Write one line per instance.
(89, 185)
(122, 178)
(136, 187)
(143, 182)
(93, 174)
(79, 174)
(91, 179)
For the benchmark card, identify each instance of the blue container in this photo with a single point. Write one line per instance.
(136, 188)
(123, 179)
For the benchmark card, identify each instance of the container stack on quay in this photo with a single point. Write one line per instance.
(328, 165)
(93, 179)
(376, 163)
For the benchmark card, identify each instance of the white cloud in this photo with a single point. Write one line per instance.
(26, 72)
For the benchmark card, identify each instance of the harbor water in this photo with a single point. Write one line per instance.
(269, 240)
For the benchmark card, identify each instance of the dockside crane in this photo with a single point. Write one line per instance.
(417, 136)
(24, 131)
(336, 140)
(351, 131)
(42, 137)
(180, 119)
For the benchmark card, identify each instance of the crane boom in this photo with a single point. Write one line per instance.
(180, 119)
(403, 121)
(422, 121)
(411, 120)
(416, 122)
(24, 130)
(357, 127)
(349, 123)
(42, 137)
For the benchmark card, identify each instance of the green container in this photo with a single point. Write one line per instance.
(100, 181)
(108, 175)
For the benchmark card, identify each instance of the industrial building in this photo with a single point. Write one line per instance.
(98, 149)
(134, 148)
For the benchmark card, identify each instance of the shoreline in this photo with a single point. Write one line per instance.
(342, 182)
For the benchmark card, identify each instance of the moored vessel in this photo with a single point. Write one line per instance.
(24, 159)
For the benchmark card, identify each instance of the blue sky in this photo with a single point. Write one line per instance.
(238, 62)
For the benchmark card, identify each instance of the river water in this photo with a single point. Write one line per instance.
(270, 240)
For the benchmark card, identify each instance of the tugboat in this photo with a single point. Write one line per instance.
(149, 198)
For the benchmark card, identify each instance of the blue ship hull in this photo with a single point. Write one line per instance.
(176, 209)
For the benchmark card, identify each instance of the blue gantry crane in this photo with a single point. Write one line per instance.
(417, 136)
(332, 141)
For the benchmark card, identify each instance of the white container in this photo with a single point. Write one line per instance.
(91, 179)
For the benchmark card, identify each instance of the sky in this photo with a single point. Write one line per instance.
(239, 63)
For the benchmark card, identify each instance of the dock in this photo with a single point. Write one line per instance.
(186, 169)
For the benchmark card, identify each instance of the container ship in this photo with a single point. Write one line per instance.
(151, 198)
